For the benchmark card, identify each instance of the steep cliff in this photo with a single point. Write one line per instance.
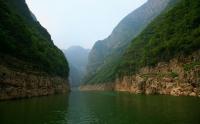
(172, 34)
(165, 57)
(78, 59)
(30, 64)
(105, 54)
(173, 38)
(178, 77)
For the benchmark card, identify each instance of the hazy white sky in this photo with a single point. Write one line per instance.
(81, 22)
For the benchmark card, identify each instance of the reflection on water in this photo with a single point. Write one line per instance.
(101, 108)
(41, 110)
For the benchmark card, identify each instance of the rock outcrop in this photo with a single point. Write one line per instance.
(178, 77)
(163, 59)
(97, 87)
(30, 63)
(15, 84)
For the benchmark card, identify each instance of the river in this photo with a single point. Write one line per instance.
(101, 108)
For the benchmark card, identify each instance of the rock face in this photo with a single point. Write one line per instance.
(30, 63)
(98, 87)
(106, 52)
(164, 58)
(178, 77)
(14, 84)
(175, 68)
(78, 59)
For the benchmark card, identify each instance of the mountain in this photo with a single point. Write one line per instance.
(31, 65)
(78, 59)
(104, 55)
(172, 34)
(165, 57)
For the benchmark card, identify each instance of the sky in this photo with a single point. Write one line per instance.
(81, 22)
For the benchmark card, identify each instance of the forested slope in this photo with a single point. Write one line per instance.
(30, 64)
(24, 38)
(104, 56)
(174, 33)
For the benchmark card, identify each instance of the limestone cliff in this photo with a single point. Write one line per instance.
(178, 77)
(15, 84)
(98, 87)
(30, 63)
(164, 58)
(19, 79)
(167, 39)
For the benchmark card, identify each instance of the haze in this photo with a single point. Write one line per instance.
(81, 22)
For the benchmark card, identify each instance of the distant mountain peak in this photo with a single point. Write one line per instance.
(78, 59)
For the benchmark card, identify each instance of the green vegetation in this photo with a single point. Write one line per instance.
(190, 66)
(173, 74)
(105, 55)
(24, 38)
(174, 33)
(105, 75)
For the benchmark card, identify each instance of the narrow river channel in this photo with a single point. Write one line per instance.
(101, 108)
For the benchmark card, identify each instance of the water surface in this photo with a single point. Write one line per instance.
(101, 108)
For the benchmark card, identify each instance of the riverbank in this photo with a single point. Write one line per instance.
(181, 90)
(178, 77)
(97, 87)
(15, 84)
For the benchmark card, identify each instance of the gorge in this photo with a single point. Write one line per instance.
(162, 59)
(147, 71)
(78, 59)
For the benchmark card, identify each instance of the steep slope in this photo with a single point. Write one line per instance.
(31, 65)
(172, 34)
(165, 57)
(78, 59)
(104, 55)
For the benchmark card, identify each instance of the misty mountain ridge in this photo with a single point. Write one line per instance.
(78, 59)
(105, 53)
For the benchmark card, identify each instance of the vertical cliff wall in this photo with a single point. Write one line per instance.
(179, 76)
(164, 58)
(30, 64)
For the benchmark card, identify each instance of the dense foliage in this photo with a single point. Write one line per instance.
(105, 55)
(106, 74)
(24, 38)
(174, 33)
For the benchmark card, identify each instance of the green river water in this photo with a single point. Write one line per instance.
(101, 108)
